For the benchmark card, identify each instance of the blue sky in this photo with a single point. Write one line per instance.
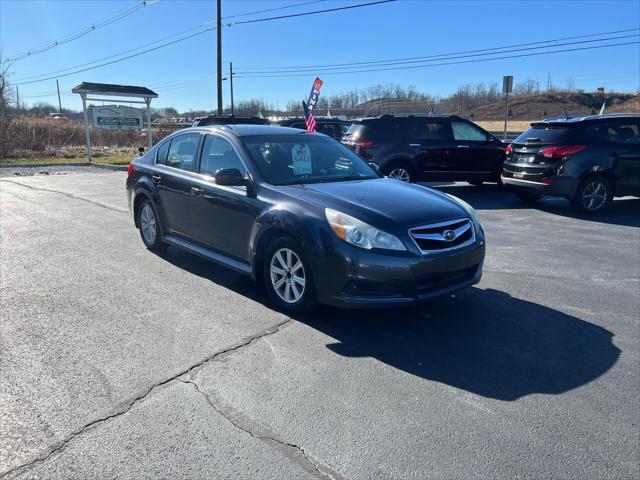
(184, 74)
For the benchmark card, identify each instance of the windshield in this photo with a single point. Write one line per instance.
(292, 159)
(544, 134)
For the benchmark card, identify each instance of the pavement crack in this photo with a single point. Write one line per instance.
(60, 446)
(66, 194)
(242, 423)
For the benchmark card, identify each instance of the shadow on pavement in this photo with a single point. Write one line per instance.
(482, 341)
(622, 211)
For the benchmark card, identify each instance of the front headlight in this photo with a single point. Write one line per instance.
(361, 234)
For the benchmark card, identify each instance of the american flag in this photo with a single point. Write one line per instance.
(311, 103)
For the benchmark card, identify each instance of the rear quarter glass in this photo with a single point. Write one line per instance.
(546, 135)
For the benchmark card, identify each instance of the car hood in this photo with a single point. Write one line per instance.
(382, 202)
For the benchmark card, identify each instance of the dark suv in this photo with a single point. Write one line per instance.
(588, 160)
(304, 214)
(333, 127)
(428, 147)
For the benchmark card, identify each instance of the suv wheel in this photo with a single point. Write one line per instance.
(528, 197)
(400, 170)
(149, 226)
(288, 278)
(593, 194)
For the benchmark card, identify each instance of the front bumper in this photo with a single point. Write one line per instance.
(350, 277)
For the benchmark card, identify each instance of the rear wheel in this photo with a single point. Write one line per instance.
(149, 226)
(593, 194)
(400, 170)
(528, 197)
(288, 278)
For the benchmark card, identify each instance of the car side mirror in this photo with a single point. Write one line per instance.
(231, 177)
(141, 150)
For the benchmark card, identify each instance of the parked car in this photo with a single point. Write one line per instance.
(428, 147)
(303, 213)
(588, 160)
(333, 127)
(228, 120)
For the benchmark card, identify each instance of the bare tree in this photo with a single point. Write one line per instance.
(5, 113)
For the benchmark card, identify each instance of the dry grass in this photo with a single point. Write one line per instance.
(498, 125)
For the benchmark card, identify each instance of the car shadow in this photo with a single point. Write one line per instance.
(483, 341)
(622, 211)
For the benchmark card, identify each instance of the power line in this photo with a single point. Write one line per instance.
(353, 64)
(593, 47)
(273, 9)
(392, 63)
(336, 9)
(51, 75)
(84, 31)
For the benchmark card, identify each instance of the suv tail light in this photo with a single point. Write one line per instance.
(362, 144)
(561, 152)
(130, 169)
(508, 149)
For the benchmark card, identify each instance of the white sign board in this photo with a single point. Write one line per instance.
(116, 117)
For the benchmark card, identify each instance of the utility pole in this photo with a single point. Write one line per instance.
(59, 101)
(507, 87)
(231, 80)
(17, 99)
(219, 57)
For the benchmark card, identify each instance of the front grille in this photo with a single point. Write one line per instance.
(444, 236)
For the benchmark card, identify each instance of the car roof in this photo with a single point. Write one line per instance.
(240, 130)
(405, 115)
(572, 119)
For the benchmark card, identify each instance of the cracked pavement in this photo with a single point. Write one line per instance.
(119, 363)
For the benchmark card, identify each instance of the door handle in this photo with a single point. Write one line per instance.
(197, 190)
(415, 144)
(463, 146)
(156, 178)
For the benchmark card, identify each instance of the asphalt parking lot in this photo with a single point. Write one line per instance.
(119, 363)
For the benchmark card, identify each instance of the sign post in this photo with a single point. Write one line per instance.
(507, 88)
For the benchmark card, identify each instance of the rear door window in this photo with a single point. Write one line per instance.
(161, 154)
(466, 132)
(430, 130)
(182, 152)
(618, 132)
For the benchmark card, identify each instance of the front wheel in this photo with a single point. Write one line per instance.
(400, 170)
(593, 195)
(288, 277)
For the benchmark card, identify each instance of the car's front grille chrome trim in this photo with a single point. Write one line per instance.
(443, 236)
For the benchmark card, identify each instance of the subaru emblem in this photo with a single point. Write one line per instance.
(449, 235)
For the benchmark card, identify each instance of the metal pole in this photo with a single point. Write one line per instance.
(149, 134)
(231, 79)
(219, 57)
(17, 99)
(59, 101)
(506, 115)
(86, 126)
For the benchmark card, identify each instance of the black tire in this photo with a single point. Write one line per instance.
(147, 213)
(528, 197)
(593, 195)
(308, 299)
(476, 183)
(392, 170)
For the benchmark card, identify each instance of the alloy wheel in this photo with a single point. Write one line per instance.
(287, 275)
(400, 174)
(594, 195)
(148, 224)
